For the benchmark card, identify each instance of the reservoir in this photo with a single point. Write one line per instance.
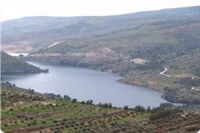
(85, 84)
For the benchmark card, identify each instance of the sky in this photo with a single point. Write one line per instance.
(11, 9)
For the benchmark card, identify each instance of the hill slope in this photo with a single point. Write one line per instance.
(39, 32)
(26, 111)
(13, 65)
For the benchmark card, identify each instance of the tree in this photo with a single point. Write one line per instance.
(74, 100)
(197, 72)
(139, 108)
(67, 98)
(89, 102)
(126, 107)
(148, 109)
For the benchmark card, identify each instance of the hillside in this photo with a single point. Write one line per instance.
(24, 111)
(13, 65)
(137, 46)
(33, 33)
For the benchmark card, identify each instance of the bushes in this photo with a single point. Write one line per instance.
(197, 72)
(106, 105)
(74, 100)
(189, 82)
(126, 107)
(67, 98)
(89, 102)
(163, 113)
(139, 108)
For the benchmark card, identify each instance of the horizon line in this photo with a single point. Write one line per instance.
(143, 11)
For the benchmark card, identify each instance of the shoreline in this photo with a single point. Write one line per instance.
(120, 80)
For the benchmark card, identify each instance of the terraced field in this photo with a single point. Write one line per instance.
(25, 111)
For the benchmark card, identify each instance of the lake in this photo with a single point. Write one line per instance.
(84, 84)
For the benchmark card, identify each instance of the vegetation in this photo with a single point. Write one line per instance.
(163, 114)
(13, 65)
(26, 111)
(155, 39)
(188, 81)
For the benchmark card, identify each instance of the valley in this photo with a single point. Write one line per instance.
(135, 46)
(136, 72)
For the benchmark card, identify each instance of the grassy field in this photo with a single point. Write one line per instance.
(25, 111)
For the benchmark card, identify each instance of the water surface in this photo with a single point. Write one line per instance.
(84, 84)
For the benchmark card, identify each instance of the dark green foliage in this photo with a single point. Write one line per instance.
(126, 107)
(139, 108)
(106, 105)
(13, 65)
(181, 95)
(89, 102)
(74, 100)
(189, 82)
(67, 98)
(163, 113)
(197, 71)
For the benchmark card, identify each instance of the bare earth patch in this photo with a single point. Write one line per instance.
(17, 47)
(140, 61)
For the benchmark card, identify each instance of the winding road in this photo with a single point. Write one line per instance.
(163, 72)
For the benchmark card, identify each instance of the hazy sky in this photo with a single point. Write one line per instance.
(19, 8)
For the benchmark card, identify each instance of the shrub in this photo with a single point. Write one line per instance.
(162, 113)
(139, 108)
(126, 107)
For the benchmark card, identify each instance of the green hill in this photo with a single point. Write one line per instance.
(13, 65)
(24, 111)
